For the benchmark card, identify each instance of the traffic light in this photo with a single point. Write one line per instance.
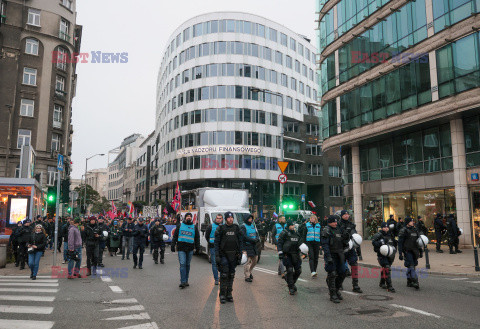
(69, 209)
(51, 195)
(288, 206)
(65, 191)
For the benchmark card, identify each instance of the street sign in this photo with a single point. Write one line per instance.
(60, 162)
(282, 165)
(475, 177)
(303, 197)
(282, 178)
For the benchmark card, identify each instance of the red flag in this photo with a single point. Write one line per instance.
(311, 204)
(177, 200)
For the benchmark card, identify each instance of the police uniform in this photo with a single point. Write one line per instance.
(392, 225)
(453, 233)
(156, 235)
(351, 255)
(91, 245)
(277, 229)
(228, 246)
(422, 229)
(289, 252)
(408, 249)
(140, 235)
(311, 236)
(334, 241)
(439, 229)
(210, 237)
(379, 239)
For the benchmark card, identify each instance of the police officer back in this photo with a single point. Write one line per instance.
(351, 255)
(408, 249)
(439, 230)
(453, 234)
(288, 245)
(228, 246)
(385, 237)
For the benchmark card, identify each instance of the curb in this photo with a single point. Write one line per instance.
(475, 275)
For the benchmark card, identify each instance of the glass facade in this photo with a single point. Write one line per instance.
(471, 127)
(458, 66)
(449, 12)
(475, 206)
(425, 151)
(329, 113)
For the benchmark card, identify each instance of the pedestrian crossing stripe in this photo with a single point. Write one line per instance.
(26, 324)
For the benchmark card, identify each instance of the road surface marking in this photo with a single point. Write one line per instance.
(27, 298)
(458, 279)
(29, 280)
(28, 290)
(411, 309)
(123, 301)
(264, 270)
(26, 324)
(23, 276)
(31, 284)
(151, 325)
(116, 289)
(25, 309)
(473, 281)
(106, 279)
(348, 293)
(125, 308)
(141, 316)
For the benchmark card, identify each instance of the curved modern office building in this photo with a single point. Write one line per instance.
(401, 97)
(224, 82)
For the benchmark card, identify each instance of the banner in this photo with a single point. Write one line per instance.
(151, 211)
(220, 149)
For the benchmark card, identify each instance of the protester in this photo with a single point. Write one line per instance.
(74, 250)
(36, 246)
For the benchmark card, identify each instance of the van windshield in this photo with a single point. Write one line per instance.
(239, 217)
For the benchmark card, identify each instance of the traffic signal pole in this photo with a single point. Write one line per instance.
(57, 210)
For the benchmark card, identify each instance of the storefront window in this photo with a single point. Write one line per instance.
(476, 216)
(428, 204)
(372, 215)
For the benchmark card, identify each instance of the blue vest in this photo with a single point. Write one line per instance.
(251, 232)
(187, 233)
(212, 234)
(313, 232)
(279, 230)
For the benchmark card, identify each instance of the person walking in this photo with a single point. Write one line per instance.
(409, 249)
(115, 236)
(103, 239)
(453, 234)
(92, 239)
(36, 246)
(23, 238)
(440, 228)
(185, 239)
(210, 237)
(250, 240)
(13, 241)
(64, 233)
(351, 255)
(127, 229)
(74, 248)
(157, 233)
(289, 242)
(310, 233)
(140, 235)
(385, 238)
(277, 229)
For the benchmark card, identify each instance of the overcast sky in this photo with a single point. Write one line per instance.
(114, 101)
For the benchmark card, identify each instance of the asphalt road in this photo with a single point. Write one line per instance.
(150, 298)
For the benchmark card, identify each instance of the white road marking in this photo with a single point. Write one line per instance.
(116, 289)
(123, 301)
(30, 284)
(151, 325)
(458, 279)
(264, 270)
(473, 281)
(106, 279)
(23, 276)
(28, 290)
(348, 292)
(29, 280)
(126, 308)
(25, 309)
(411, 309)
(27, 298)
(26, 324)
(140, 316)
(303, 280)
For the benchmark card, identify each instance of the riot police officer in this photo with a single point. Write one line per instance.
(392, 224)
(228, 246)
(453, 233)
(385, 237)
(408, 249)
(334, 240)
(288, 246)
(210, 237)
(13, 241)
(277, 229)
(351, 255)
(311, 235)
(23, 237)
(92, 237)
(156, 234)
(103, 238)
(140, 235)
(422, 229)
(439, 230)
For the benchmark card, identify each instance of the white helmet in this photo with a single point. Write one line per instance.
(165, 237)
(357, 240)
(387, 250)
(304, 248)
(105, 233)
(422, 241)
(461, 231)
(391, 226)
(350, 246)
(244, 259)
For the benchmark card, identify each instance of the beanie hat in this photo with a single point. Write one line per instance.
(343, 212)
(408, 219)
(391, 216)
(419, 217)
(228, 214)
(289, 223)
(331, 219)
(384, 224)
(27, 221)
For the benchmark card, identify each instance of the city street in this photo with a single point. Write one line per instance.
(150, 298)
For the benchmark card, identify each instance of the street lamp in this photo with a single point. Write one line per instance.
(264, 91)
(85, 190)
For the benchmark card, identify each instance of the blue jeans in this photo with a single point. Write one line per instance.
(77, 264)
(34, 261)
(184, 258)
(214, 264)
(65, 249)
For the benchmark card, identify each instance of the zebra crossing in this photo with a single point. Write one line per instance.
(466, 280)
(26, 303)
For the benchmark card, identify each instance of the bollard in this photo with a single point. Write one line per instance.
(475, 255)
(427, 260)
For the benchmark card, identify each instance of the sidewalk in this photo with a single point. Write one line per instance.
(440, 264)
(46, 263)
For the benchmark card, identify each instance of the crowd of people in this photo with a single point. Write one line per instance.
(230, 244)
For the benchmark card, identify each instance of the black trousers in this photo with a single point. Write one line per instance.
(155, 246)
(92, 255)
(313, 253)
(136, 248)
(22, 254)
(438, 236)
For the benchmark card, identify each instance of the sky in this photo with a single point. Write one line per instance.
(113, 101)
